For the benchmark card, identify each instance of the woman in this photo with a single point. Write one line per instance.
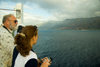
(23, 56)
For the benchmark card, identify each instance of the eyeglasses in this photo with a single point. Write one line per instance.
(15, 21)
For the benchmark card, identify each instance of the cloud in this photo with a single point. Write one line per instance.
(32, 16)
(64, 9)
(97, 13)
(31, 19)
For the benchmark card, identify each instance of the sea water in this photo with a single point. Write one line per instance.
(69, 48)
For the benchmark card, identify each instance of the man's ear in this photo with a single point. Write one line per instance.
(7, 22)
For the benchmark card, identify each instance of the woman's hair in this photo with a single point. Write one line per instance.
(22, 40)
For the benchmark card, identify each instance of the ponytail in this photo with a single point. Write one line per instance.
(22, 44)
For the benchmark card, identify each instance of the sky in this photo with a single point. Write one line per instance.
(38, 12)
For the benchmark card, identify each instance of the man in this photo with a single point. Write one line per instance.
(7, 40)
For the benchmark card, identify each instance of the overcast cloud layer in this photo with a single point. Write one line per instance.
(64, 9)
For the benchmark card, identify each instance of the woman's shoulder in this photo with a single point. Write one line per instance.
(32, 55)
(32, 62)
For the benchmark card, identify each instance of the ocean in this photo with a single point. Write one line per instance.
(69, 48)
